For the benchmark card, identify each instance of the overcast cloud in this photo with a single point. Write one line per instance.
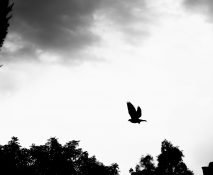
(203, 6)
(65, 27)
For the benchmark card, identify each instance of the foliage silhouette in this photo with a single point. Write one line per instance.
(208, 170)
(5, 10)
(170, 162)
(51, 158)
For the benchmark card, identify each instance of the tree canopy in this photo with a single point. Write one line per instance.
(51, 158)
(170, 162)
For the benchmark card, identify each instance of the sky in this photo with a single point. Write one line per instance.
(69, 68)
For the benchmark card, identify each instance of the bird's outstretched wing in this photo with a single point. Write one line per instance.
(139, 112)
(131, 110)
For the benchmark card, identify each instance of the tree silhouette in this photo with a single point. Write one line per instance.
(170, 162)
(13, 159)
(51, 158)
(145, 167)
(5, 10)
(208, 170)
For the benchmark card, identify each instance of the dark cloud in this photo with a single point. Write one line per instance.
(63, 27)
(202, 6)
(53, 25)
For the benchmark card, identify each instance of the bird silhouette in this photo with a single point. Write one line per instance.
(135, 115)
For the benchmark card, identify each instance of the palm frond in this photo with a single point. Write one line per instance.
(5, 15)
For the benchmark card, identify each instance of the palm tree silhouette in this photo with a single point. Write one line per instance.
(5, 10)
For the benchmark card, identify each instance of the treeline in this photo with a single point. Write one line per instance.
(52, 158)
(169, 162)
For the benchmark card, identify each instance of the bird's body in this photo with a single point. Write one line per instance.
(136, 120)
(135, 115)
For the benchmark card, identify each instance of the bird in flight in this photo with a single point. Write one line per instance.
(135, 115)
